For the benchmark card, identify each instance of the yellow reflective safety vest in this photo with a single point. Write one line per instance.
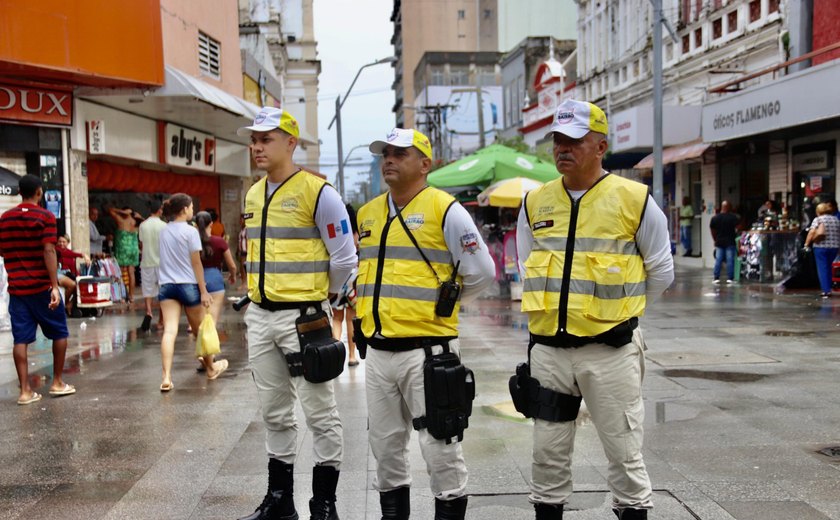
(287, 261)
(585, 274)
(396, 290)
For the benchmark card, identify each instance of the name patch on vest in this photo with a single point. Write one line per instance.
(289, 204)
(365, 227)
(246, 216)
(543, 224)
(415, 221)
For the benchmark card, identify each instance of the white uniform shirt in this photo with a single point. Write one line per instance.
(652, 239)
(465, 244)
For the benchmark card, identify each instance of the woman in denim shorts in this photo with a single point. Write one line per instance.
(182, 283)
(214, 252)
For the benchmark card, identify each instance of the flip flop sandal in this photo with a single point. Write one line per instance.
(34, 399)
(220, 367)
(165, 387)
(68, 389)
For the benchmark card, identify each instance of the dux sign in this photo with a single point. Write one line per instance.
(36, 104)
(189, 148)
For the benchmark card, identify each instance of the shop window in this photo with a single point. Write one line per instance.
(755, 10)
(209, 56)
(686, 44)
(732, 22)
(773, 6)
(698, 38)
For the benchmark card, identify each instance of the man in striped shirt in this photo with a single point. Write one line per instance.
(27, 245)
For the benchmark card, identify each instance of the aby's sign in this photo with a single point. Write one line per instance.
(189, 148)
(35, 104)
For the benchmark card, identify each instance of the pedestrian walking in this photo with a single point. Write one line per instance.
(214, 253)
(149, 236)
(421, 256)
(27, 245)
(218, 229)
(343, 304)
(182, 283)
(686, 221)
(596, 250)
(300, 252)
(824, 236)
(724, 228)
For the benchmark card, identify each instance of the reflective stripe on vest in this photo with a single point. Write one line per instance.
(396, 289)
(287, 260)
(604, 277)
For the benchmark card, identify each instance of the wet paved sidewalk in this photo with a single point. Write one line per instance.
(741, 395)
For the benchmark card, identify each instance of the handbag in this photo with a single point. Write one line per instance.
(207, 338)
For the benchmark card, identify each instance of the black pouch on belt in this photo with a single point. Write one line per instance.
(323, 356)
(449, 391)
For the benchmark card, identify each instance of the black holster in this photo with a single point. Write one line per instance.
(321, 357)
(449, 388)
(359, 338)
(535, 401)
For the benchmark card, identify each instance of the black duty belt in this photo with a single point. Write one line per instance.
(285, 306)
(404, 344)
(617, 336)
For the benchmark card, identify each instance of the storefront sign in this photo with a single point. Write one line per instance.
(632, 129)
(36, 104)
(189, 148)
(804, 162)
(96, 137)
(778, 104)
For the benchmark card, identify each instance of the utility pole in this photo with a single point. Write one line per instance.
(482, 140)
(658, 21)
(340, 150)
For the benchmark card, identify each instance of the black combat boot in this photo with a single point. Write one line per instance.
(630, 514)
(322, 503)
(396, 504)
(548, 511)
(450, 509)
(279, 502)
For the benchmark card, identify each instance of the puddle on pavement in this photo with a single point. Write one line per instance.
(832, 452)
(789, 333)
(729, 377)
(671, 412)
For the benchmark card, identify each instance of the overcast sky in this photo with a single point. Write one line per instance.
(351, 34)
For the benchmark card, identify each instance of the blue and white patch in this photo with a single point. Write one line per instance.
(469, 243)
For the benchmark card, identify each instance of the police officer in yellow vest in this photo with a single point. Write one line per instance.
(420, 257)
(299, 249)
(596, 250)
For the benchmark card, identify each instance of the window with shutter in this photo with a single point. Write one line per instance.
(209, 56)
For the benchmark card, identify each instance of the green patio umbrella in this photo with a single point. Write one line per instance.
(492, 164)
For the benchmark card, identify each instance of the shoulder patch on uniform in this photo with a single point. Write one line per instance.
(469, 242)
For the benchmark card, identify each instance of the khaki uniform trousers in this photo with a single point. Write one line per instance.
(271, 335)
(395, 396)
(610, 381)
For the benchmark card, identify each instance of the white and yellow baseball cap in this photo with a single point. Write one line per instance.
(271, 118)
(577, 118)
(403, 138)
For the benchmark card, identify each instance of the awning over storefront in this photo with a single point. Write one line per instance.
(187, 101)
(675, 154)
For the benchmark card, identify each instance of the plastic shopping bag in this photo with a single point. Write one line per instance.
(207, 339)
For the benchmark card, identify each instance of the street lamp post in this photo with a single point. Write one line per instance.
(344, 163)
(339, 102)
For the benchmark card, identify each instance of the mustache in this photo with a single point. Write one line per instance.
(563, 157)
